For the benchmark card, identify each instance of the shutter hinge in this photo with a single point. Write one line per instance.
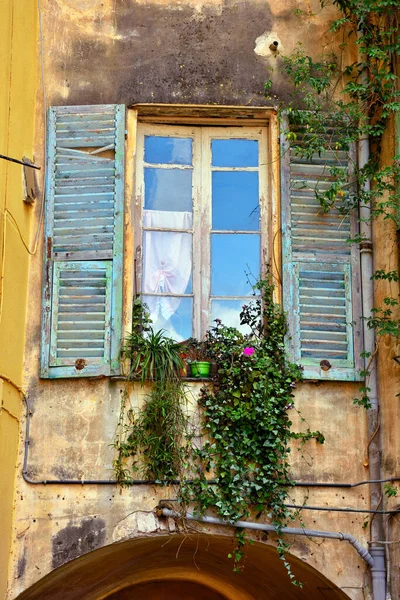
(49, 245)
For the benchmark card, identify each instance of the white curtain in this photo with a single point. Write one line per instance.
(167, 260)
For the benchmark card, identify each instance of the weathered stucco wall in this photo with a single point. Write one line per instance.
(191, 51)
(176, 52)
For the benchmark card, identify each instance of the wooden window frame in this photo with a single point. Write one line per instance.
(202, 130)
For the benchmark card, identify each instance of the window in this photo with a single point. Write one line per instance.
(207, 210)
(201, 219)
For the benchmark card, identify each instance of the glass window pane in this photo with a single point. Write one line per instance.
(168, 189)
(234, 153)
(235, 200)
(168, 150)
(232, 256)
(167, 262)
(228, 311)
(174, 315)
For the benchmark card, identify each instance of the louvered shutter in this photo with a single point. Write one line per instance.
(81, 326)
(321, 280)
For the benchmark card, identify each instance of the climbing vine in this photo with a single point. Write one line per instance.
(332, 105)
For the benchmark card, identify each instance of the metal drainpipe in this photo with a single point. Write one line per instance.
(375, 445)
(333, 535)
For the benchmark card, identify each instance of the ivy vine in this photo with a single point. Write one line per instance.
(245, 427)
(246, 423)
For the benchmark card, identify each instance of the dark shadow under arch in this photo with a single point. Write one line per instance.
(191, 567)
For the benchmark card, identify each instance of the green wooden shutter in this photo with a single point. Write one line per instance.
(81, 325)
(321, 279)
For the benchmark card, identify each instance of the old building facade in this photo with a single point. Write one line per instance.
(190, 70)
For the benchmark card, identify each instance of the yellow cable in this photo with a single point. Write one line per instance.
(8, 213)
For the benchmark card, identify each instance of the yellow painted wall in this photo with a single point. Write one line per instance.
(18, 28)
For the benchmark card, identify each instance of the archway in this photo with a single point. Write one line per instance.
(190, 567)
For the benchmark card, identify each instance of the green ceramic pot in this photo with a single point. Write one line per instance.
(200, 369)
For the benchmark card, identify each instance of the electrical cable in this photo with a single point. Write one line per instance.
(349, 510)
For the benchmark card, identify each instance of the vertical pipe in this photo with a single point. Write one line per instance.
(378, 573)
(374, 437)
(374, 450)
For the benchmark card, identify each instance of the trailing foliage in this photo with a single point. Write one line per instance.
(152, 440)
(245, 421)
(245, 424)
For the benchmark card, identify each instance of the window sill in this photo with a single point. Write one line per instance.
(195, 379)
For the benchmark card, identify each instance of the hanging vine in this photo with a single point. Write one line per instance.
(245, 424)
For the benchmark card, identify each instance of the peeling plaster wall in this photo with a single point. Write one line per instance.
(127, 51)
(173, 52)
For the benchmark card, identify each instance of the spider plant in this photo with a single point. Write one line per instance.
(153, 357)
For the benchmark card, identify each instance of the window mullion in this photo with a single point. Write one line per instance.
(197, 238)
(138, 214)
(266, 225)
(205, 229)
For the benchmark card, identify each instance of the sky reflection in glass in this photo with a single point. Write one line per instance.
(228, 311)
(235, 201)
(232, 256)
(168, 150)
(234, 153)
(177, 324)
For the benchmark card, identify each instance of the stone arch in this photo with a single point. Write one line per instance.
(192, 566)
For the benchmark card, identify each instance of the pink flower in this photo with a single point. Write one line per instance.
(248, 351)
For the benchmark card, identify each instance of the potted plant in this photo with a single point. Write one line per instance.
(197, 358)
(153, 356)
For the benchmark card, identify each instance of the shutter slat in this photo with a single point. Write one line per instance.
(87, 171)
(82, 211)
(320, 269)
(84, 198)
(71, 155)
(75, 179)
(95, 287)
(83, 335)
